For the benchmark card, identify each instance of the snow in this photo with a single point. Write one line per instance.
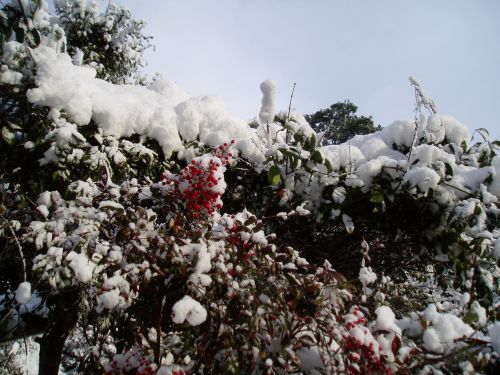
(15, 348)
(422, 177)
(344, 156)
(26, 355)
(23, 293)
(456, 132)
(199, 251)
(110, 205)
(169, 115)
(367, 276)
(480, 313)
(163, 111)
(494, 332)
(266, 114)
(43, 210)
(495, 185)
(81, 266)
(115, 295)
(301, 211)
(434, 132)
(348, 223)
(423, 95)
(10, 77)
(386, 320)
(188, 309)
(399, 133)
(443, 330)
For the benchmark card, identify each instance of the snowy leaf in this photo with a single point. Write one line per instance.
(251, 220)
(36, 36)
(317, 156)
(348, 223)
(328, 165)
(7, 135)
(483, 133)
(449, 169)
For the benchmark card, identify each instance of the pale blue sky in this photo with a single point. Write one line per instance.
(334, 50)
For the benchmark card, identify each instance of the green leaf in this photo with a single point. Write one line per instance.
(449, 169)
(317, 156)
(310, 144)
(19, 34)
(251, 220)
(298, 137)
(22, 201)
(470, 317)
(274, 175)
(496, 143)
(478, 210)
(288, 152)
(36, 36)
(328, 165)
(376, 196)
(7, 135)
(313, 140)
(464, 146)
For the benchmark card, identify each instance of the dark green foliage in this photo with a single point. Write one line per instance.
(111, 42)
(339, 123)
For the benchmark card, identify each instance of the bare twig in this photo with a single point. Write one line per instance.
(290, 103)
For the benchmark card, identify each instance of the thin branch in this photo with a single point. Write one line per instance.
(456, 188)
(290, 104)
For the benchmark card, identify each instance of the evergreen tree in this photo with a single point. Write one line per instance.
(339, 123)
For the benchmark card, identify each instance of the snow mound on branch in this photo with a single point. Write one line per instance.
(266, 113)
(23, 293)
(163, 111)
(190, 310)
(444, 329)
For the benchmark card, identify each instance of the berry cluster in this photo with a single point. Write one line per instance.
(200, 184)
(130, 362)
(361, 347)
(224, 153)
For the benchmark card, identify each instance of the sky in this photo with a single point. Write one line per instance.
(333, 50)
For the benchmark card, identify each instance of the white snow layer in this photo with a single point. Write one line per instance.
(23, 293)
(443, 330)
(161, 111)
(190, 310)
(166, 113)
(266, 114)
(386, 320)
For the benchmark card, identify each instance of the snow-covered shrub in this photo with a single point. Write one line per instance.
(146, 231)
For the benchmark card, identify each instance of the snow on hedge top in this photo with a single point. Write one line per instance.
(166, 113)
(365, 156)
(162, 111)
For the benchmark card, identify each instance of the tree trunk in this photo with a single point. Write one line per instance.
(63, 320)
